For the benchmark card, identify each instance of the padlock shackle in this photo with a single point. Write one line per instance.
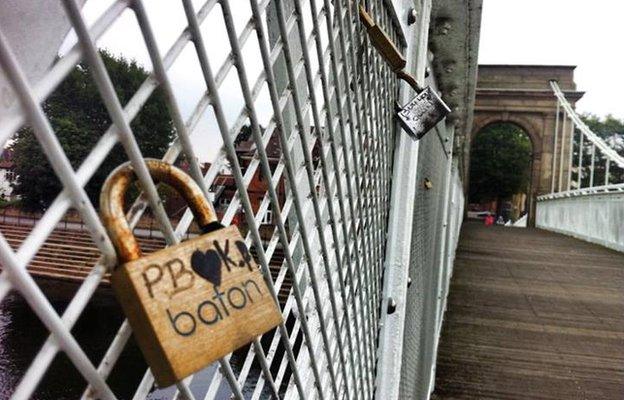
(409, 78)
(114, 192)
(387, 49)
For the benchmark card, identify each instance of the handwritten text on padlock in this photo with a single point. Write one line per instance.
(178, 275)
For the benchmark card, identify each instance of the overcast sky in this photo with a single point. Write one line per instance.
(576, 32)
(167, 19)
(588, 34)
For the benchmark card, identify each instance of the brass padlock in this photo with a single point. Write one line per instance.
(192, 303)
(425, 110)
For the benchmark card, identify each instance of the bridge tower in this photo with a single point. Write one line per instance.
(522, 95)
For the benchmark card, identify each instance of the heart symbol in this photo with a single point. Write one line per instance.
(207, 265)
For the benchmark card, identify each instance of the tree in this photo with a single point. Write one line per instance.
(499, 163)
(79, 118)
(611, 130)
(604, 127)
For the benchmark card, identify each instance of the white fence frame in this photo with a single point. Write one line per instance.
(593, 213)
(341, 232)
(344, 224)
(593, 217)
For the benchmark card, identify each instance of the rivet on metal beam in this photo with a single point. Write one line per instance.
(449, 66)
(392, 305)
(443, 26)
(409, 281)
(428, 184)
(411, 16)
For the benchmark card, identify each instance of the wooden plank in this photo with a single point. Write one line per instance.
(532, 315)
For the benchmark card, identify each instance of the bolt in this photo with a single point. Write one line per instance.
(391, 305)
(409, 281)
(449, 66)
(443, 26)
(411, 16)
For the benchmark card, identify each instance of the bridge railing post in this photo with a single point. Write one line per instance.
(400, 227)
(593, 160)
(570, 158)
(580, 162)
(554, 152)
(561, 153)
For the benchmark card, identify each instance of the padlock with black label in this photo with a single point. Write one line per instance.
(425, 110)
(192, 303)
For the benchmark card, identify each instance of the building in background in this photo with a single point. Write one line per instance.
(7, 175)
(224, 186)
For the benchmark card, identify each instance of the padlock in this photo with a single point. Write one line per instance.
(192, 303)
(425, 110)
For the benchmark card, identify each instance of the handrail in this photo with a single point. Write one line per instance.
(595, 139)
(604, 189)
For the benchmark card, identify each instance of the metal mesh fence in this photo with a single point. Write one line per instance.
(317, 226)
(421, 295)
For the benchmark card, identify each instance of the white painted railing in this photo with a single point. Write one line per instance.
(575, 162)
(594, 213)
(594, 217)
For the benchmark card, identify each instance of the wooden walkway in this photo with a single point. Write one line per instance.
(532, 315)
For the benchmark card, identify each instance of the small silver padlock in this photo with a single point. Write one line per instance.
(425, 110)
(422, 113)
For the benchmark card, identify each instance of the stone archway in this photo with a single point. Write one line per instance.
(521, 94)
(531, 132)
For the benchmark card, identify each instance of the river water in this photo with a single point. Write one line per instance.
(22, 335)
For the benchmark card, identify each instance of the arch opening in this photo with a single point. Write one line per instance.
(500, 180)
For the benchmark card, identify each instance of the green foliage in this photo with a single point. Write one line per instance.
(499, 162)
(79, 118)
(9, 203)
(606, 128)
